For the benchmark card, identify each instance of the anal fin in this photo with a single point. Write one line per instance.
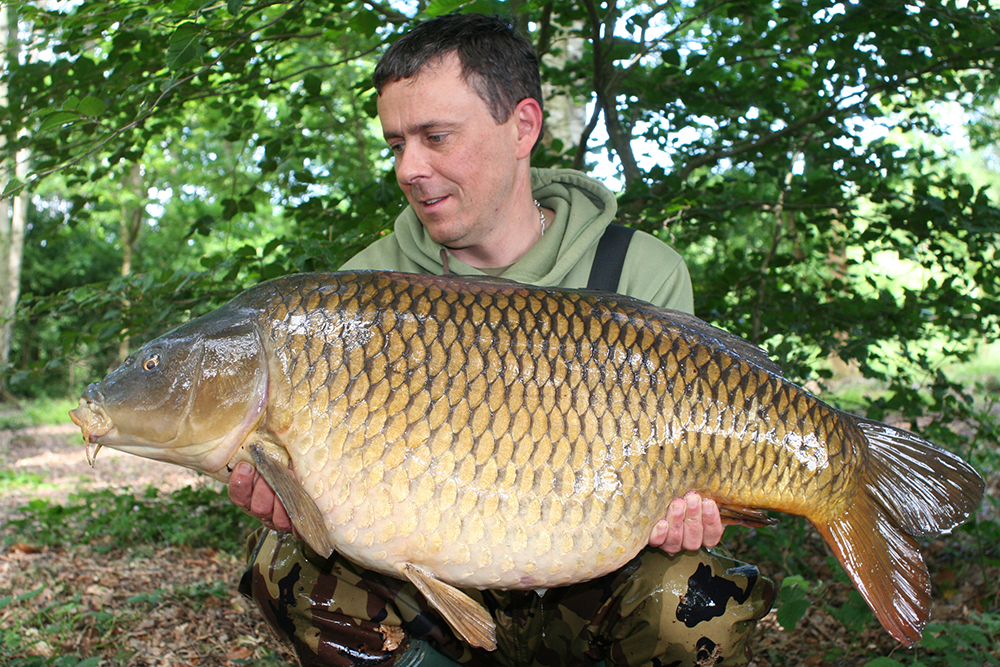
(302, 509)
(467, 617)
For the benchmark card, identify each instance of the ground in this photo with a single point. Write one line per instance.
(169, 606)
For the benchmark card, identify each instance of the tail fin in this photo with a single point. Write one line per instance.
(911, 489)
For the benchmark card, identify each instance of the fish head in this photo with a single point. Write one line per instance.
(189, 397)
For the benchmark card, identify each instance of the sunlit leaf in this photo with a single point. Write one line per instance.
(58, 119)
(440, 7)
(91, 106)
(184, 45)
(12, 187)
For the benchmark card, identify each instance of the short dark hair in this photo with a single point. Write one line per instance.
(497, 61)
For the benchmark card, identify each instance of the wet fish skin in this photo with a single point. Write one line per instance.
(480, 433)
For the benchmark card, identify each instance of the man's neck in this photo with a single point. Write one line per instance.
(508, 242)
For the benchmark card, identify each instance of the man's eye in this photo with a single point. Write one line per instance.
(396, 149)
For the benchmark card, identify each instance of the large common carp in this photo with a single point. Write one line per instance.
(481, 433)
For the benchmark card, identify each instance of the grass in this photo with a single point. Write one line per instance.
(11, 480)
(202, 517)
(40, 412)
(32, 640)
(985, 368)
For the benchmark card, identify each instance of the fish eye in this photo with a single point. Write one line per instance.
(151, 362)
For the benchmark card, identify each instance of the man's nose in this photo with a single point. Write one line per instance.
(412, 164)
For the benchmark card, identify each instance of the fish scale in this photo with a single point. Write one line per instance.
(539, 330)
(473, 432)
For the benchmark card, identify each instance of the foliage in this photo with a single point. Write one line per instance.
(10, 479)
(190, 517)
(954, 645)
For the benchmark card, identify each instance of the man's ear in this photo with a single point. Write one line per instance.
(529, 125)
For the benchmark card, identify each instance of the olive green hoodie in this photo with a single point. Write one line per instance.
(562, 257)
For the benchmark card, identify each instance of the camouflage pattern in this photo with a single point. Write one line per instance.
(695, 608)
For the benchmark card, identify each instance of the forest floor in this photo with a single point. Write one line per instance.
(95, 605)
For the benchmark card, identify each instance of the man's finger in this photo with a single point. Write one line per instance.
(712, 522)
(693, 530)
(659, 533)
(280, 521)
(673, 540)
(262, 502)
(241, 486)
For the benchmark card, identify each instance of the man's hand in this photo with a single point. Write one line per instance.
(691, 523)
(251, 493)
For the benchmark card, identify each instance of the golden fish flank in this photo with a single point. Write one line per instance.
(426, 426)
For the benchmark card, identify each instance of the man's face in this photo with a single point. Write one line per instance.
(455, 164)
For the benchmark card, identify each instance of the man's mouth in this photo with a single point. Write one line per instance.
(432, 201)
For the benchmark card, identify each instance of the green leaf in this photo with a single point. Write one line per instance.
(202, 226)
(184, 44)
(441, 7)
(168, 83)
(313, 85)
(883, 662)
(790, 613)
(229, 208)
(234, 6)
(91, 106)
(13, 187)
(24, 596)
(366, 23)
(933, 643)
(58, 119)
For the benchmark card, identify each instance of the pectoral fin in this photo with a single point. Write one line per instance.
(302, 509)
(745, 516)
(464, 615)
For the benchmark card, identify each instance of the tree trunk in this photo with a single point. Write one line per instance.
(13, 212)
(567, 117)
(133, 209)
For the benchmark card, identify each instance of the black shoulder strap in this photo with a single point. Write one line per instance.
(610, 258)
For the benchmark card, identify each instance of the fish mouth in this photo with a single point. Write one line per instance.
(94, 423)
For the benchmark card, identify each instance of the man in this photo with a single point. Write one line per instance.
(461, 109)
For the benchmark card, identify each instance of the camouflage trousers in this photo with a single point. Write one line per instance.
(695, 608)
